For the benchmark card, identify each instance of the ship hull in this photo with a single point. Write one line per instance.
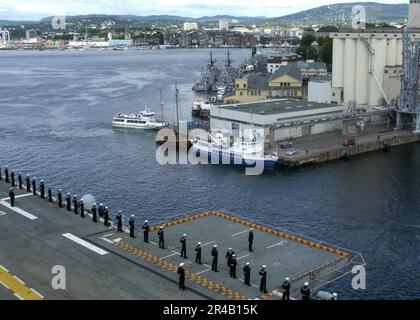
(216, 158)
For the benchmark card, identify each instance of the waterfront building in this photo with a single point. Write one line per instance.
(280, 119)
(319, 89)
(189, 26)
(223, 25)
(286, 81)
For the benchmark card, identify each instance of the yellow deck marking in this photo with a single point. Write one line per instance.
(18, 288)
(173, 268)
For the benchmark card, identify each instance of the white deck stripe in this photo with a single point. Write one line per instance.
(85, 244)
(18, 279)
(168, 256)
(37, 293)
(106, 240)
(237, 234)
(4, 285)
(2, 213)
(206, 244)
(18, 210)
(247, 255)
(18, 296)
(19, 196)
(4, 268)
(203, 271)
(254, 285)
(277, 244)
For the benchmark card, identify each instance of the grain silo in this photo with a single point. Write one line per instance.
(362, 59)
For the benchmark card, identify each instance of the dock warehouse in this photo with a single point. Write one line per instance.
(281, 119)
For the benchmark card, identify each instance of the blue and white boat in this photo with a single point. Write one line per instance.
(220, 149)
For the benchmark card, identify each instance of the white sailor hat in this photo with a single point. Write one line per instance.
(264, 266)
(199, 242)
(132, 216)
(119, 211)
(247, 263)
(181, 264)
(94, 204)
(287, 279)
(215, 246)
(306, 284)
(101, 204)
(230, 248)
(184, 235)
(335, 295)
(42, 180)
(233, 255)
(146, 221)
(161, 227)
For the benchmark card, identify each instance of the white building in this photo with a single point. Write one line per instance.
(5, 37)
(189, 26)
(319, 90)
(31, 36)
(280, 119)
(224, 24)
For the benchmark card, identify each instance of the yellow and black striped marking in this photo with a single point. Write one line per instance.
(17, 286)
(279, 234)
(211, 285)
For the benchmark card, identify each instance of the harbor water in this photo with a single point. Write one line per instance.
(56, 110)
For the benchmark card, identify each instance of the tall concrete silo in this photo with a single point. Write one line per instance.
(377, 68)
(362, 75)
(349, 81)
(338, 63)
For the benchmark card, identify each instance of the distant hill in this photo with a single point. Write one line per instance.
(152, 18)
(331, 14)
(336, 13)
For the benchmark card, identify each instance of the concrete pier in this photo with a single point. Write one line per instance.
(100, 263)
(329, 146)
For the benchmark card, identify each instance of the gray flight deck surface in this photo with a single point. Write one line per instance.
(119, 267)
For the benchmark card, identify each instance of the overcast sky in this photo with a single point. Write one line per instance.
(37, 9)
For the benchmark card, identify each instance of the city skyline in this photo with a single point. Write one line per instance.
(38, 9)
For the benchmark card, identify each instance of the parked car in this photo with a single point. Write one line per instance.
(349, 142)
(292, 152)
(286, 146)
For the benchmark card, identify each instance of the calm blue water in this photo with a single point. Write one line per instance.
(55, 122)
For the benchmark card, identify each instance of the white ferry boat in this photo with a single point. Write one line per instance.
(244, 152)
(144, 120)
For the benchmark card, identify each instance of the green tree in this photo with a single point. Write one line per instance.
(308, 52)
(326, 50)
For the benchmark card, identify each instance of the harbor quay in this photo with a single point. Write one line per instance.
(48, 252)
